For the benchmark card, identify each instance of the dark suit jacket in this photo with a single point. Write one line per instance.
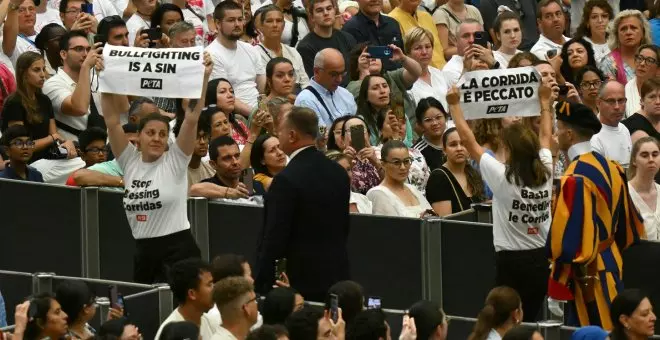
(306, 221)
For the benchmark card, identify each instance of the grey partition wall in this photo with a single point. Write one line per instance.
(234, 228)
(116, 243)
(386, 258)
(41, 231)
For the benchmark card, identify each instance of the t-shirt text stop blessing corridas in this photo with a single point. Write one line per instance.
(521, 215)
(155, 193)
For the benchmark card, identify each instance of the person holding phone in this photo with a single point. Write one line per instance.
(367, 170)
(522, 188)
(75, 18)
(552, 24)
(156, 184)
(394, 197)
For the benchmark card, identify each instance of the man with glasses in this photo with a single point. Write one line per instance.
(324, 95)
(237, 302)
(74, 18)
(613, 141)
(70, 91)
(19, 149)
(235, 60)
(18, 33)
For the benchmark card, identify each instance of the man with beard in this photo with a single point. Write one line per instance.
(225, 156)
(235, 60)
(69, 90)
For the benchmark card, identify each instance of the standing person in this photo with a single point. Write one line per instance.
(627, 32)
(522, 190)
(156, 185)
(592, 205)
(613, 141)
(447, 18)
(310, 188)
(647, 61)
(508, 32)
(409, 17)
(552, 22)
(593, 28)
(645, 193)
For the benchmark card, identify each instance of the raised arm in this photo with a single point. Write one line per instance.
(111, 104)
(467, 137)
(545, 131)
(411, 68)
(10, 28)
(188, 133)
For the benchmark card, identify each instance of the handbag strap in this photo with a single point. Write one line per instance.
(452, 186)
(451, 15)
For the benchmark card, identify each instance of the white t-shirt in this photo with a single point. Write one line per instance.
(190, 17)
(133, 25)
(504, 58)
(106, 8)
(364, 205)
(493, 335)
(600, 50)
(23, 44)
(156, 192)
(206, 329)
(613, 143)
(453, 69)
(213, 315)
(239, 66)
(48, 17)
(521, 215)
(437, 89)
(634, 102)
(543, 45)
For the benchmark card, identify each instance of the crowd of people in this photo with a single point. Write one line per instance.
(295, 113)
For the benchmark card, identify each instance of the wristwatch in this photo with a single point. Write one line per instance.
(496, 65)
(13, 6)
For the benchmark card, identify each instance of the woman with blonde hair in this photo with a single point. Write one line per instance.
(418, 44)
(644, 191)
(627, 33)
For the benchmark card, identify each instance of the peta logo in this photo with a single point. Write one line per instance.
(151, 83)
(492, 109)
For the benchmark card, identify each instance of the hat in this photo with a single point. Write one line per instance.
(346, 4)
(590, 333)
(428, 317)
(577, 115)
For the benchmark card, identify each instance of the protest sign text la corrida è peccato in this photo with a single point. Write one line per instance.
(491, 88)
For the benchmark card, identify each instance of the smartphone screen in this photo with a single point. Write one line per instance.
(481, 38)
(248, 180)
(334, 307)
(87, 8)
(120, 301)
(373, 302)
(357, 137)
(379, 52)
(280, 268)
(563, 90)
(261, 103)
(154, 33)
(552, 53)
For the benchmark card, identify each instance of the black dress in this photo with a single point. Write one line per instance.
(13, 110)
(443, 186)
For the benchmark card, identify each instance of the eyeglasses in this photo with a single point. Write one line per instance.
(433, 119)
(75, 11)
(27, 10)
(27, 144)
(648, 60)
(254, 299)
(614, 101)
(591, 84)
(399, 162)
(97, 150)
(81, 49)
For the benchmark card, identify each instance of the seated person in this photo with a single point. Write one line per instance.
(198, 168)
(225, 158)
(105, 174)
(267, 160)
(20, 146)
(92, 146)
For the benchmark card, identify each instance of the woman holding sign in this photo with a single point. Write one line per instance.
(522, 190)
(156, 184)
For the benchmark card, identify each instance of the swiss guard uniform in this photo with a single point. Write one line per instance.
(594, 220)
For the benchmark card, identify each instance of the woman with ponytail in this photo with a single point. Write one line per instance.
(503, 310)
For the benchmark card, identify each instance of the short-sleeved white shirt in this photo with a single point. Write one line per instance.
(155, 193)
(133, 25)
(437, 89)
(50, 16)
(240, 66)
(206, 328)
(23, 44)
(521, 215)
(106, 8)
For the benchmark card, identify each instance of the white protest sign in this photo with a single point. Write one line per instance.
(149, 72)
(500, 93)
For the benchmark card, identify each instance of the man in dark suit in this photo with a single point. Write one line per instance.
(306, 215)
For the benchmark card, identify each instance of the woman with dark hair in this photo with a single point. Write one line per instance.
(367, 169)
(374, 100)
(522, 333)
(221, 94)
(522, 181)
(394, 197)
(29, 107)
(165, 16)
(335, 139)
(267, 160)
(79, 304)
(358, 203)
(48, 41)
(647, 61)
(575, 54)
(588, 81)
(271, 46)
(280, 79)
(431, 119)
(523, 59)
(593, 27)
(455, 185)
(279, 304)
(632, 316)
(49, 321)
(503, 311)
(188, 14)
(508, 31)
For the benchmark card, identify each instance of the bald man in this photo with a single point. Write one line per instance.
(613, 141)
(324, 95)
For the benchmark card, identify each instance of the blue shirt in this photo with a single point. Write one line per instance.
(31, 174)
(339, 103)
(655, 30)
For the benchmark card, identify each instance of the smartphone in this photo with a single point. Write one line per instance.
(551, 53)
(32, 310)
(333, 307)
(374, 302)
(154, 33)
(481, 38)
(563, 90)
(380, 52)
(357, 137)
(120, 301)
(87, 8)
(280, 268)
(261, 103)
(113, 295)
(99, 38)
(248, 180)
(322, 130)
